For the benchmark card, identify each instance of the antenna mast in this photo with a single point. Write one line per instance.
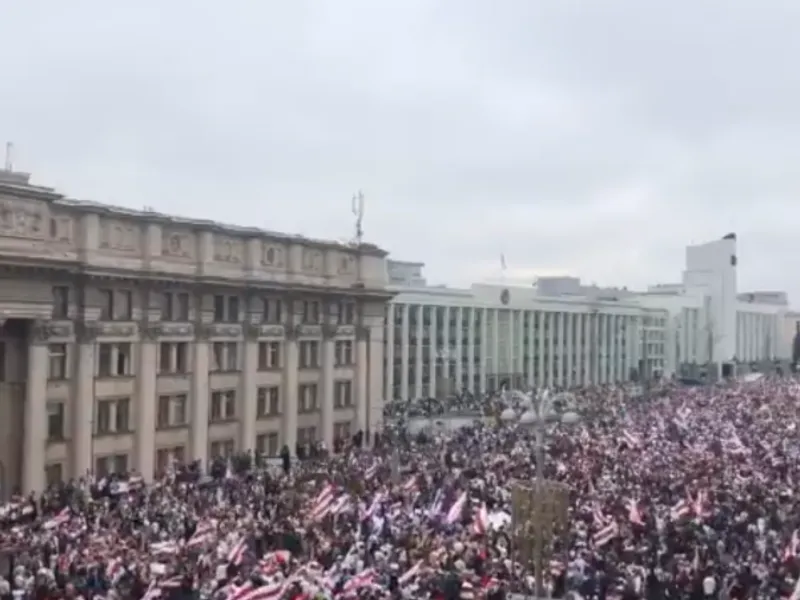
(358, 213)
(9, 165)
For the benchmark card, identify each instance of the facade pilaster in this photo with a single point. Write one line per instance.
(418, 392)
(83, 401)
(200, 397)
(540, 377)
(459, 357)
(433, 353)
(447, 354)
(290, 390)
(570, 349)
(375, 386)
(405, 368)
(328, 391)
(33, 479)
(483, 348)
(471, 350)
(388, 389)
(248, 391)
(146, 402)
(362, 377)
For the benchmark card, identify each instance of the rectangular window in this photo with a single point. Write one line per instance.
(307, 398)
(309, 354)
(267, 444)
(55, 421)
(343, 351)
(57, 361)
(268, 401)
(60, 302)
(223, 406)
(53, 474)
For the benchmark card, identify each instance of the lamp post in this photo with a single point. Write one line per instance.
(539, 513)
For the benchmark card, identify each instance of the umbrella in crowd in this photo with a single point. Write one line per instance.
(688, 493)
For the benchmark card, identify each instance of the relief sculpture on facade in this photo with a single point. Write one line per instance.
(227, 250)
(272, 256)
(312, 260)
(120, 236)
(177, 244)
(21, 219)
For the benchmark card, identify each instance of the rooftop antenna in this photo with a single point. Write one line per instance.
(358, 213)
(9, 166)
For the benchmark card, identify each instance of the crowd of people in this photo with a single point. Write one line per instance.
(687, 493)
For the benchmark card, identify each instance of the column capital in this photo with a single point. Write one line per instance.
(291, 332)
(86, 332)
(252, 332)
(149, 331)
(41, 332)
(328, 331)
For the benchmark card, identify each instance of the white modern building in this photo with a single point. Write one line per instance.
(558, 332)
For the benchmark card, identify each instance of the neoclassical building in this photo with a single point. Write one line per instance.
(131, 339)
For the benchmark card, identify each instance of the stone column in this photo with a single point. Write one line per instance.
(388, 390)
(200, 394)
(375, 386)
(290, 389)
(35, 411)
(146, 402)
(83, 402)
(248, 395)
(328, 388)
(362, 370)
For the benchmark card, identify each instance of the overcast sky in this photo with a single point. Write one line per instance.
(594, 138)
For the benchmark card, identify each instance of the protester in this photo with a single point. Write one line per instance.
(681, 493)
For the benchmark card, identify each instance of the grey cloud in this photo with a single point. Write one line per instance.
(595, 137)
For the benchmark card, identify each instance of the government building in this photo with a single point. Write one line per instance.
(133, 339)
(560, 333)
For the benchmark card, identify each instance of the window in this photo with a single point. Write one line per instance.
(273, 309)
(175, 306)
(226, 309)
(117, 305)
(223, 406)
(55, 421)
(268, 401)
(307, 398)
(53, 474)
(267, 444)
(310, 312)
(113, 416)
(173, 357)
(166, 458)
(344, 353)
(309, 354)
(60, 302)
(341, 430)
(342, 394)
(57, 361)
(344, 313)
(106, 465)
(115, 360)
(171, 411)
(225, 356)
(269, 355)
(306, 435)
(222, 449)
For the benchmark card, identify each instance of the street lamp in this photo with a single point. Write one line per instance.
(540, 512)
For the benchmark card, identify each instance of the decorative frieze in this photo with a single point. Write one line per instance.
(308, 330)
(120, 236)
(45, 331)
(177, 244)
(22, 218)
(228, 249)
(223, 330)
(346, 330)
(167, 329)
(112, 329)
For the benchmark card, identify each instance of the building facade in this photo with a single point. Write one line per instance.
(131, 339)
(559, 333)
